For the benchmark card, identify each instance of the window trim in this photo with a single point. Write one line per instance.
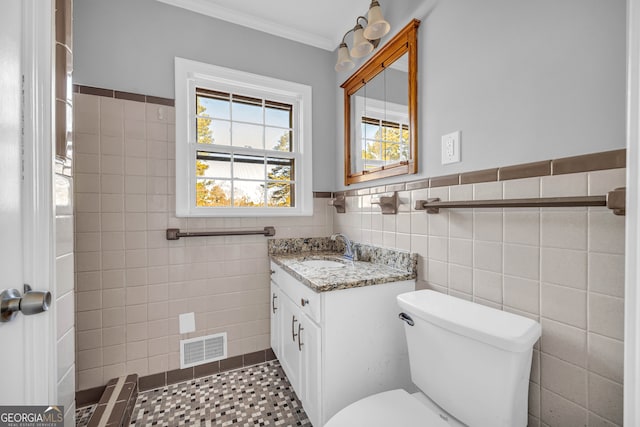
(191, 74)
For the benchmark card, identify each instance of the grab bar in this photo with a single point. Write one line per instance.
(175, 233)
(614, 200)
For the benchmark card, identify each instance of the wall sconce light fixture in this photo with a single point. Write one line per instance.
(364, 39)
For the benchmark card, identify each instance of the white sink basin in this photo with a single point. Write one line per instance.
(325, 263)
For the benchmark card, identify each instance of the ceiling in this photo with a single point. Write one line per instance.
(317, 23)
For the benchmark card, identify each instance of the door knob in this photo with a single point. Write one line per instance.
(32, 302)
(9, 304)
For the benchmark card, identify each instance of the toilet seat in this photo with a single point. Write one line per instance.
(389, 408)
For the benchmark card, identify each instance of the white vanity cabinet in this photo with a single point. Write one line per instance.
(300, 355)
(275, 319)
(338, 346)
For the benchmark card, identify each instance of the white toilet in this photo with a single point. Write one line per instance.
(471, 363)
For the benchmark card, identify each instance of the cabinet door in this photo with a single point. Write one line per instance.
(309, 347)
(276, 320)
(290, 354)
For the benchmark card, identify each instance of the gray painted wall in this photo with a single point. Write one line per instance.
(523, 80)
(130, 46)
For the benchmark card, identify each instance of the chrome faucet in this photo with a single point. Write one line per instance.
(348, 250)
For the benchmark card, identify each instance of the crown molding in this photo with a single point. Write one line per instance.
(207, 8)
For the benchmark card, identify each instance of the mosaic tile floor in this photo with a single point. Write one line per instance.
(83, 415)
(259, 395)
(256, 396)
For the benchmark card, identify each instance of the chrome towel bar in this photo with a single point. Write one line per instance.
(614, 200)
(175, 233)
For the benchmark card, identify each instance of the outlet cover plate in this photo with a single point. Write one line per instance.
(451, 148)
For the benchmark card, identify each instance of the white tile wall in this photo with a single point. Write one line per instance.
(64, 297)
(563, 267)
(131, 282)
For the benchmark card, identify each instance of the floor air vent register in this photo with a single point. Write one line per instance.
(200, 350)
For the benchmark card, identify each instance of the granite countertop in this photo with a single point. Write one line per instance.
(373, 265)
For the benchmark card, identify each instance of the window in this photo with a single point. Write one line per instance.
(243, 143)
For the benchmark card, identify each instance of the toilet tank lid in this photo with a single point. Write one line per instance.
(504, 330)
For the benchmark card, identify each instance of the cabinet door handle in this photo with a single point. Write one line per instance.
(300, 344)
(293, 328)
(304, 301)
(273, 303)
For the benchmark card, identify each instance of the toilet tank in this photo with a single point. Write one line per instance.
(473, 361)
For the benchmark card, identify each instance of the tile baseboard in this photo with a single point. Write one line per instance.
(161, 379)
(175, 376)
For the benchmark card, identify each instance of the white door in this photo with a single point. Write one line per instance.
(11, 334)
(632, 273)
(27, 344)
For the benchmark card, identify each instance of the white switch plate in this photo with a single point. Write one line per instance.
(451, 148)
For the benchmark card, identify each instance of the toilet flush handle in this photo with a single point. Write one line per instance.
(406, 318)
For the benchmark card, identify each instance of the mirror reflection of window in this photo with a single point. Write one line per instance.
(380, 107)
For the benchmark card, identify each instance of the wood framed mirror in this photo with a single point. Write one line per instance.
(381, 112)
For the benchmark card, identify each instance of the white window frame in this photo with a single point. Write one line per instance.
(190, 75)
